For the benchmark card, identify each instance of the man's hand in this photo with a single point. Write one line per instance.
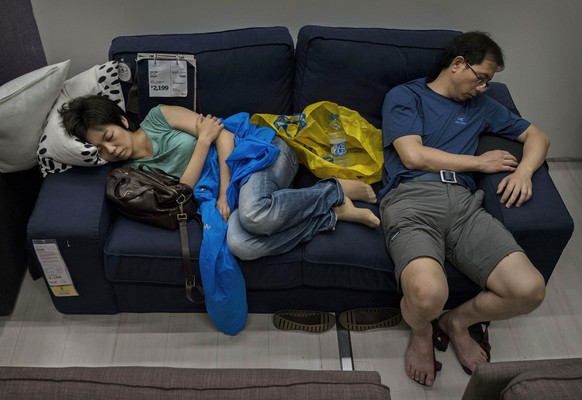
(497, 161)
(515, 189)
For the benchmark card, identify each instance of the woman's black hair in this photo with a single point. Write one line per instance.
(93, 111)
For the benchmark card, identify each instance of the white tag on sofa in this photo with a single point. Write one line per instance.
(168, 78)
(168, 73)
(54, 267)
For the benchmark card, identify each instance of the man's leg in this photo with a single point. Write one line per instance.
(425, 290)
(514, 287)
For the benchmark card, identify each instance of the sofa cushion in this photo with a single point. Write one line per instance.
(356, 67)
(159, 383)
(546, 383)
(57, 151)
(138, 253)
(334, 261)
(24, 105)
(247, 70)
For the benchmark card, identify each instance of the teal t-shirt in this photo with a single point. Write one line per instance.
(172, 148)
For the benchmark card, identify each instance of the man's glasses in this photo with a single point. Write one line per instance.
(481, 83)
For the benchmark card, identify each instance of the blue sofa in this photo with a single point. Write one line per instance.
(119, 265)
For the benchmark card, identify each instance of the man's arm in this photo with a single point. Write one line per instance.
(514, 189)
(517, 187)
(415, 156)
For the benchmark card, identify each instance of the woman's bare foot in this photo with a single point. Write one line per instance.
(419, 359)
(469, 352)
(357, 190)
(349, 212)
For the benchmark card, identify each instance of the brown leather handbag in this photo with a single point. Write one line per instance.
(152, 196)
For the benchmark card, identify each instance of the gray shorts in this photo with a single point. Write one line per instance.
(444, 221)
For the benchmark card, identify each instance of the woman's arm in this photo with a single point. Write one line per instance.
(208, 130)
(224, 146)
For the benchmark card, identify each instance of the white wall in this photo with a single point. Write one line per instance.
(541, 38)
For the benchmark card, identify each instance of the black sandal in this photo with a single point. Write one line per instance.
(440, 340)
(303, 320)
(482, 337)
(364, 319)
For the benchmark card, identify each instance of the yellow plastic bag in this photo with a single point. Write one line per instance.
(306, 133)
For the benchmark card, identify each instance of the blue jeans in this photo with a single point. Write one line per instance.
(271, 218)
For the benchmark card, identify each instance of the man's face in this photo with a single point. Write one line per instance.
(472, 79)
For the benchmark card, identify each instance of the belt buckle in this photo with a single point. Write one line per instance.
(448, 176)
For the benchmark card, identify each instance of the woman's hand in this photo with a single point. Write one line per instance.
(208, 128)
(223, 208)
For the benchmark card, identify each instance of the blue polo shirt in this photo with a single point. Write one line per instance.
(454, 127)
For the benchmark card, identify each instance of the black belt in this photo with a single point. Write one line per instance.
(444, 176)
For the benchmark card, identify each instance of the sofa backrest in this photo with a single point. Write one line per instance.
(259, 70)
(237, 70)
(20, 43)
(356, 67)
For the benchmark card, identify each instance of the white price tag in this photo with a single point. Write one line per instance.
(54, 267)
(168, 78)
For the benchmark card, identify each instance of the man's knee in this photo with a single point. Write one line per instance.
(425, 287)
(426, 303)
(519, 281)
(530, 293)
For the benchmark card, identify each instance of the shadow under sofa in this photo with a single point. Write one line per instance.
(119, 265)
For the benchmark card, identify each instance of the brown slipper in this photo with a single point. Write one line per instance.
(303, 320)
(363, 319)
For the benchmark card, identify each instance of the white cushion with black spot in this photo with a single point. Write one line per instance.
(57, 151)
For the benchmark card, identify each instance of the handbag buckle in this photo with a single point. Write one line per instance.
(190, 285)
(180, 200)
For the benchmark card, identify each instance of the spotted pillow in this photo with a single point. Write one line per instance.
(57, 151)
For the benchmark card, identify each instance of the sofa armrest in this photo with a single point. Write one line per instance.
(542, 226)
(19, 192)
(73, 210)
(492, 380)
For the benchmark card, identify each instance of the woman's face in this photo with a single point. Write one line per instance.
(113, 142)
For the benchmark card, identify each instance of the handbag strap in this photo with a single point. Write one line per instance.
(189, 276)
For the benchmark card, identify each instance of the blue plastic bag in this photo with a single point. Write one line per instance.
(222, 280)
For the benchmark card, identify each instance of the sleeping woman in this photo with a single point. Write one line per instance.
(270, 217)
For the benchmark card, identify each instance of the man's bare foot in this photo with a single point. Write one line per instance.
(419, 359)
(349, 212)
(469, 352)
(357, 190)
